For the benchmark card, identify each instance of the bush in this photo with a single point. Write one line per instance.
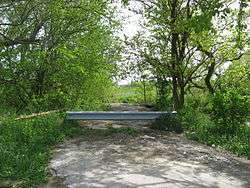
(169, 123)
(230, 110)
(200, 127)
(25, 147)
(199, 101)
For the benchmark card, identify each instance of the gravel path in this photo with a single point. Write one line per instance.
(146, 159)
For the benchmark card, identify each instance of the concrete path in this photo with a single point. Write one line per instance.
(146, 159)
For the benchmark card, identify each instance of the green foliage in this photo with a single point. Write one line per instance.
(220, 120)
(58, 55)
(164, 101)
(230, 109)
(187, 45)
(25, 147)
(134, 93)
(53, 55)
(198, 100)
(201, 127)
(231, 102)
(169, 123)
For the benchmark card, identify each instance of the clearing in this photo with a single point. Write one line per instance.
(123, 158)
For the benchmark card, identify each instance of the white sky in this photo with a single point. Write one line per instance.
(130, 25)
(129, 19)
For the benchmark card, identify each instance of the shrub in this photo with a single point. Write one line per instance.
(169, 123)
(25, 147)
(230, 110)
(200, 127)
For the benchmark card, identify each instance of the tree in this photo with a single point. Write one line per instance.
(193, 40)
(52, 50)
(231, 101)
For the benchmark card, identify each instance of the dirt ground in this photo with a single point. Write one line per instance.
(146, 159)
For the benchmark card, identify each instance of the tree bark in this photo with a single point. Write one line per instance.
(208, 77)
(162, 86)
(174, 56)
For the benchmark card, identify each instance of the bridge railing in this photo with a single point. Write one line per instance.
(124, 115)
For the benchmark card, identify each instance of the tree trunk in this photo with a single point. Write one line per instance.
(209, 76)
(162, 85)
(174, 56)
(144, 91)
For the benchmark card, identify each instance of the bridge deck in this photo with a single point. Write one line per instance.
(124, 115)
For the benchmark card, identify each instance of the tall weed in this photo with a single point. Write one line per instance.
(25, 147)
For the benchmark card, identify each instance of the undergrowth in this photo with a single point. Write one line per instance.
(200, 127)
(25, 148)
(169, 122)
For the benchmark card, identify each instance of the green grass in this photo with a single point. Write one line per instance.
(202, 128)
(170, 123)
(25, 148)
(26, 145)
(134, 94)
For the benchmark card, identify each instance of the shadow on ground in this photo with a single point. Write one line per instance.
(144, 159)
